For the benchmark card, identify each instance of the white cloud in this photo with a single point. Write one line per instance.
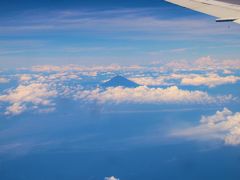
(224, 125)
(206, 61)
(202, 63)
(37, 89)
(25, 77)
(205, 64)
(210, 80)
(143, 94)
(61, 76)
(35, 94)
(15, 108)
(227, 71)
(111, 178)
(234, 64)
(150, 81)
(84, 69)
(3, 80)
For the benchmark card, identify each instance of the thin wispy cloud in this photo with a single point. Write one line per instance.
(136, 20)
(109, 36)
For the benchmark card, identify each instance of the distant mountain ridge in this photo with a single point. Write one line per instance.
(120, 81)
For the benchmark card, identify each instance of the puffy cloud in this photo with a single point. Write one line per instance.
(233, 64)
(177, 64)
(227, 71)
(52, 78)
(111, 178)
(211, 80)
(224, 125)
(35, 95)
(61, 76)
(3, 80)
(210, 63)
(36, 89)
(150, 81)
(15, 108)
(206, 61)
(25, 77)
(143, 94)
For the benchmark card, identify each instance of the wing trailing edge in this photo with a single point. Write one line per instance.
(222, 10)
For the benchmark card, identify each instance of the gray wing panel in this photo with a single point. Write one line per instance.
(220, 9)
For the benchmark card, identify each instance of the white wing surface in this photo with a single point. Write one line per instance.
(224, 10)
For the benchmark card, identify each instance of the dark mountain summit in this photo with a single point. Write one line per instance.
(120, 81)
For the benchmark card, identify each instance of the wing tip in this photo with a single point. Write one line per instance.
(237, 21)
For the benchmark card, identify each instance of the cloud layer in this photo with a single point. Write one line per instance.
(143, 94)
(210, 80)
(150, 81)
(224, 125)
(37, 87)
(33, 95)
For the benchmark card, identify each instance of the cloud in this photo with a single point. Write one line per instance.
(136, 20)
(143, 94)
(51, 68)
(3, 80)
(224, 125)
(25, 77)
(203, 63)
(111, 178)
(26, 97)
(210, 80)
(84, 69)
(207, 62)
(227, 71)
(37, 89)
(150, 81)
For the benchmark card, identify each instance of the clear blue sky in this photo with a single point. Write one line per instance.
(106, 32)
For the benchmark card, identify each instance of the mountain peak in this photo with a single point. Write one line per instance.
(120, 81)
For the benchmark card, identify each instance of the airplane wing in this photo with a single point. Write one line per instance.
(224, 10)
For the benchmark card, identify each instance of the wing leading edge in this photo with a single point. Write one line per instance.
(224, 11)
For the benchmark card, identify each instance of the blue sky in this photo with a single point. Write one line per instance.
(57, 121)
(109, 32)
